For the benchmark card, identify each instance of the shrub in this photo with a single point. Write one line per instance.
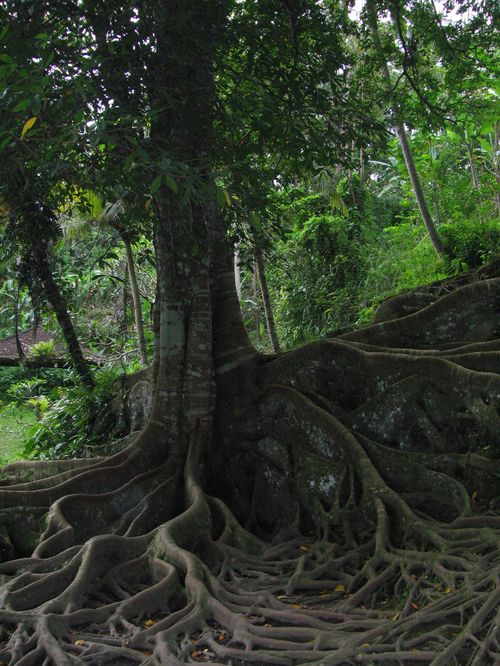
(66, 424)
(42, 350)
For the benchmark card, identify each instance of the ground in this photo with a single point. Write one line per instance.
(342, 509)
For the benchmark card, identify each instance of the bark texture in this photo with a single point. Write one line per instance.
(341, 507)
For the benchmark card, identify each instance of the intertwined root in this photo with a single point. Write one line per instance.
(360, 470)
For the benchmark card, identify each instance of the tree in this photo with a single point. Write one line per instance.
(340, 458)
(372, 21)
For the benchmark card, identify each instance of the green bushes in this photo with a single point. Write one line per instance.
(471, 243)
(66, 424)
(331, 270)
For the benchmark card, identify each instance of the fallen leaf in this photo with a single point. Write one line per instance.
(365, 644)
(340, 587)
(414, 605)
(395, 617)
(295, 605)
(149, 623)
(304, 548)
(80, 642)
(282, 596)
(147, 653)
(448, 590)
(474, 496)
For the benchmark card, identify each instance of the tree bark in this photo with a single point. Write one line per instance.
(136, 300)
(472, 166)
(402, 136)
(237, 273)
(268, 310)
(58, 303)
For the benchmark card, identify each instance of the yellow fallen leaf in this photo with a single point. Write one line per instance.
(304, 548)
(340, 587)
(474, 496)
(295, 606)
(80, 642)
(28, 125)
(395, 617)
(149, 623)
(448, 590)
(365, 644)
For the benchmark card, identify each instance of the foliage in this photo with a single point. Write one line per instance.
(66, 424)
(43, 349)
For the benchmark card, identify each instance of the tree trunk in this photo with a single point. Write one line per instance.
(19, 347)
(496, 166)
(401, 133)
(268, 310)
(472, 166)
(340, 482)
(363, 175)
(237, 273)
(256, 309)
(124, 323)
(58, 303)
(136, 300)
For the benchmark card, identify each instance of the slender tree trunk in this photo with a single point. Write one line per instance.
(496, 166)
(256, 312)
(237, 273)
(58, 303)
(136, 300)
(402, 136)
(472, 166)
(271, 326)
(19, 347)
(362, 169)
(417, 187)
(124, 325)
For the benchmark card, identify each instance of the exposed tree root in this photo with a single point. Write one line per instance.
(346, 516)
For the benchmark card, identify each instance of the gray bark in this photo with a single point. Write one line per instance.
(268, 310)
(136, 300)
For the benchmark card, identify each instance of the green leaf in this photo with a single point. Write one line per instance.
(255, 221)
(172, 184)
(221, 199)
(155, 185)
(227, 198)
(28, 125)
(21, 106)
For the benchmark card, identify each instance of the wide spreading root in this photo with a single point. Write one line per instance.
(356, 523)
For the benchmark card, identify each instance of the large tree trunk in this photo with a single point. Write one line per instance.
(136, 300)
